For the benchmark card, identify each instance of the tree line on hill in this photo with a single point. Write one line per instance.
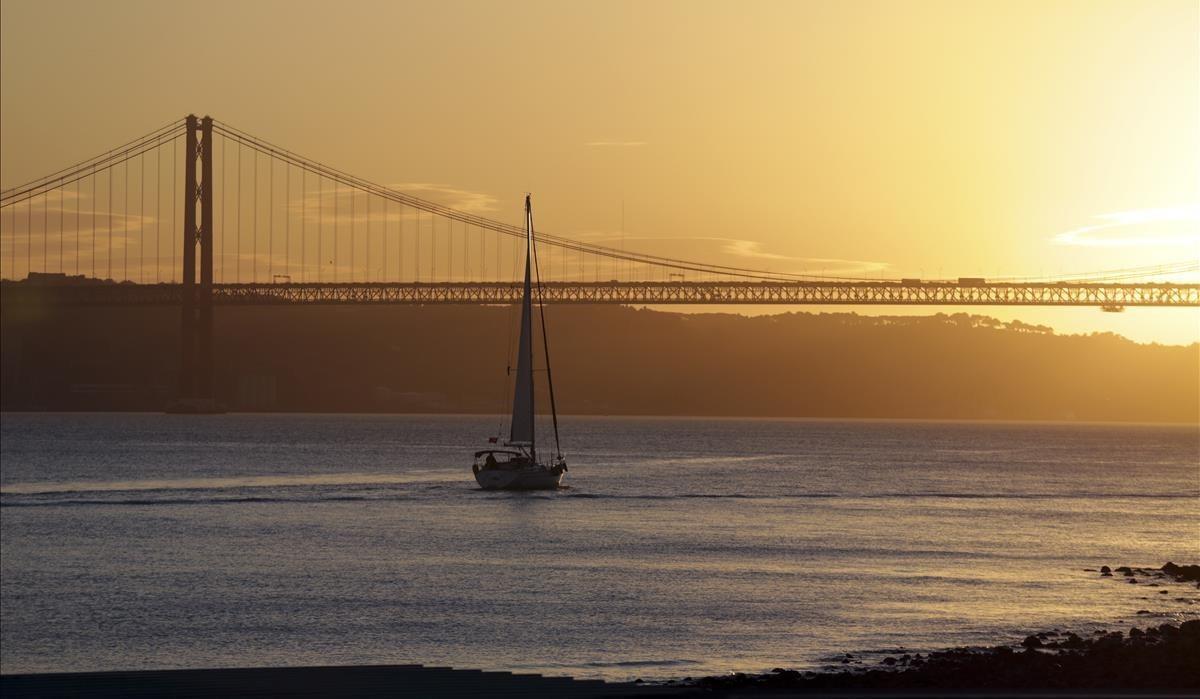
(606, 360)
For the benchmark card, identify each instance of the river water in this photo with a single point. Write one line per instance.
(681, 547)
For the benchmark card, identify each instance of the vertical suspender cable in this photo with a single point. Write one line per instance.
(141, 215)
(224, 176)
(271, 220)
(383, 251)
(109, 261)
(254, 227)
(93, 209)
(61, 232)
(174, 199)
(367, 262)
(287, 220)
(353, 197)
(28, 234)
(125, 225)
(320, 226)
(75, 228)
(238, 258)
(336, 207)
(218, 214)
(158, 214)
(303, 225)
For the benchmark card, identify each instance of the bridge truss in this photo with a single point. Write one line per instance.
(1110, 296)
(123, 228)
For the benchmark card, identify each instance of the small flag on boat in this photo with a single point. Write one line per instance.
(492, 440)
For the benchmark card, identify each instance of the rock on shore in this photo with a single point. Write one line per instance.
(1164, 657)
(1156, 658)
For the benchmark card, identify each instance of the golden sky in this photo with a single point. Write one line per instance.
(915, 139)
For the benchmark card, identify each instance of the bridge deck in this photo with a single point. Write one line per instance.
(648, 293)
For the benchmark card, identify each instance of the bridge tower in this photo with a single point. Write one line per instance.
(195, 391)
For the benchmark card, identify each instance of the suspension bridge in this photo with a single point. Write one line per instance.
(198, 213)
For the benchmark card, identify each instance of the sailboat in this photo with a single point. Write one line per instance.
(518, 466)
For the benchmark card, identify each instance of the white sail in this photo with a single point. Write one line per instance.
(522, 415)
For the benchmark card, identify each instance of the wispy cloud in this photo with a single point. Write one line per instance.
(461, 199)
(706, 247)
(1165, 226)
(614, 144)
(337, 203)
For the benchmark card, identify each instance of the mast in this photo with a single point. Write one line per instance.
(522, 431)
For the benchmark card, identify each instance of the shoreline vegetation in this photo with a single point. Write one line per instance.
(1146, 658)
(609, 360)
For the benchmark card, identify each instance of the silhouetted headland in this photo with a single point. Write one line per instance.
(608, 360)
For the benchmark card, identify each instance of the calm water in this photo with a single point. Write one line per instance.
(682, 547)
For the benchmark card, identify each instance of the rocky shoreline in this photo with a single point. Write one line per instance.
(1163, 657)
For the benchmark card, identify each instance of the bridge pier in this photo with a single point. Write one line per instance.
(195, 389)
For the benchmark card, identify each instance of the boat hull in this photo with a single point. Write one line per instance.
(532, 479)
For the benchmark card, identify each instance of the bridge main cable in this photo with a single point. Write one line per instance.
(320, 169)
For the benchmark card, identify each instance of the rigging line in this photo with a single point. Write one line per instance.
(84, 164)
(545, 338)
(15, 194)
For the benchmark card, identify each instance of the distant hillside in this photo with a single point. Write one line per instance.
(607, 360)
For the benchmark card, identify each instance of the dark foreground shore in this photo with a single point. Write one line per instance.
(1155, 660)
(1161, 659)
(1150, 660)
